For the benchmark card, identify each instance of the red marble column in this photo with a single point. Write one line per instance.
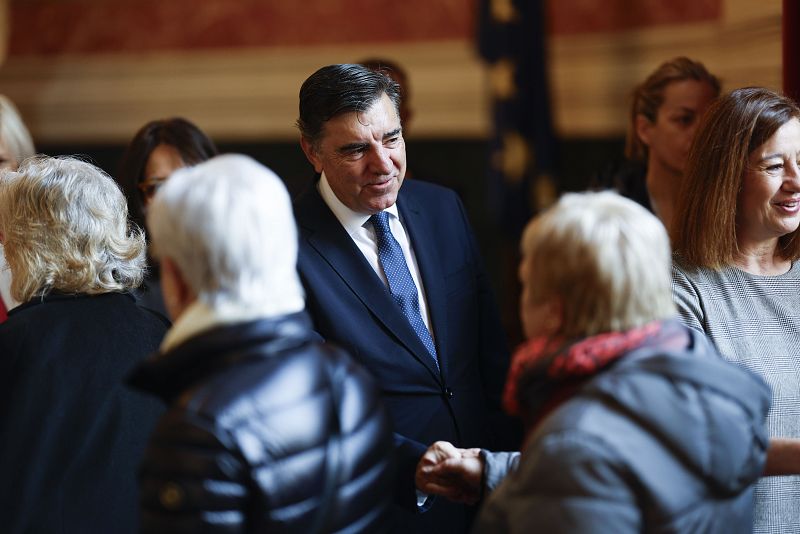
(791, 49)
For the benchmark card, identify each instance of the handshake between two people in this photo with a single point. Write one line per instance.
(450, 472)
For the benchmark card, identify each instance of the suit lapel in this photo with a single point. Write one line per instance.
(330, 240)
(420, 230)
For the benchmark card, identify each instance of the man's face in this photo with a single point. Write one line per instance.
(363, 156)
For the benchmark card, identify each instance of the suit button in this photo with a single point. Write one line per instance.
(448, 393)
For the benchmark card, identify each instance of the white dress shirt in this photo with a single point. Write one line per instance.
(363, 234)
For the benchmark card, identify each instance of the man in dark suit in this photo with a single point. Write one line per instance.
(395, 277)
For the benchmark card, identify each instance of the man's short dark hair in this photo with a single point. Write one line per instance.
(338, 89)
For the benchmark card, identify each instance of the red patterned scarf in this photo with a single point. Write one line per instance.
(546, 371)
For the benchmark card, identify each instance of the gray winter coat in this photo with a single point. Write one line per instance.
(663, 441)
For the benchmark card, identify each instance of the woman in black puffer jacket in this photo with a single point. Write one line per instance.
(267, 430)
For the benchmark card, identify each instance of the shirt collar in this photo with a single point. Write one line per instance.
(199, 317)
(352, 221)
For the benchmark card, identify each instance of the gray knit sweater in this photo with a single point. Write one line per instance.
(754, 321)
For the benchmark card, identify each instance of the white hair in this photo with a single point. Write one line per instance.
(65, 228)
(227, 224)
(605, 257)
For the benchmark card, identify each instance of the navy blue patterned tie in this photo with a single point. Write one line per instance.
(401, 285)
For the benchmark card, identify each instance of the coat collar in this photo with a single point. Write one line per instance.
(169, 373)
(56, 296)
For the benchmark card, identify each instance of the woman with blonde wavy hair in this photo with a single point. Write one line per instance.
(665, 111)
(72, 434)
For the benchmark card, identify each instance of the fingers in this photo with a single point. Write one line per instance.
(451, 467)
(450, 472)
(470, 453)
(439, 451)
(445, 449)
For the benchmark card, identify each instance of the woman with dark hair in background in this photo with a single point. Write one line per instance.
(158, 148)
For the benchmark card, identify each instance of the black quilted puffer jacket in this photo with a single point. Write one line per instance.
(267, 430)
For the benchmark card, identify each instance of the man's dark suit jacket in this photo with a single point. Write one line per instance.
(352, 307)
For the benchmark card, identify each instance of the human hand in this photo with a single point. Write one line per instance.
(450, 472)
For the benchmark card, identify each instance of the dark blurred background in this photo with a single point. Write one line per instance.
(514, 101)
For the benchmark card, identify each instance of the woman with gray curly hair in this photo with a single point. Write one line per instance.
(71, 434)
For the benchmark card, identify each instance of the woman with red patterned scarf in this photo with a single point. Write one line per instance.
(634, 423)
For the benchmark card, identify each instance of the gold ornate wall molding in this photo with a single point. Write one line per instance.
(592, 75)
(3, 29)
(251, 93)
(247, 95)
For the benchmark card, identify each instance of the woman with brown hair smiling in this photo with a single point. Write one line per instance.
(736, 274)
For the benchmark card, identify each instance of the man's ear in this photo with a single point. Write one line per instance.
(555, 316)
(176, 291)
(311, 154)
(643, 129)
